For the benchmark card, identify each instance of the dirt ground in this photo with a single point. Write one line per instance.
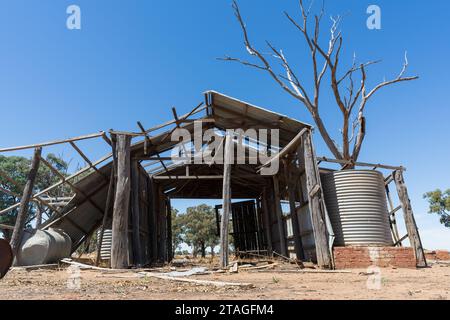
(429, 283)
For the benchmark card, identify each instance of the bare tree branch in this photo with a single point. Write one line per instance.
(245, 63)
(365, 97)
(346, 97)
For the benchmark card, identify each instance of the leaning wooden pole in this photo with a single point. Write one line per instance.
(38, 216)
(108, 206)
(119, 250)
(16, 238)
(411, 226)
(316, 205)
(226, 195)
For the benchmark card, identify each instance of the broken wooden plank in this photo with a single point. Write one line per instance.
(199, 282)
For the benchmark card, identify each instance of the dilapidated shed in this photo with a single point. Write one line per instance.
(257, 161)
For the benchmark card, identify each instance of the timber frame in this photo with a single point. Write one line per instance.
(129, 190)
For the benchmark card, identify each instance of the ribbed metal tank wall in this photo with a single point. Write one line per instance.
(105, 251)
(357, 206)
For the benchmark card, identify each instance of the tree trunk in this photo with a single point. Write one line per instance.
(16, 238)
(326, 137)
(203, 248)
(194, 251)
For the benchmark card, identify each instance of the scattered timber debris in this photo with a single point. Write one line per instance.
(36, 267)
(199, 282)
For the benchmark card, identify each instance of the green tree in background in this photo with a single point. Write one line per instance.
(17, 168)
(177, 231)
(199, 229)
(440, 204)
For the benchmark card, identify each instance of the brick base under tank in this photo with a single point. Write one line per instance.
(363, 257)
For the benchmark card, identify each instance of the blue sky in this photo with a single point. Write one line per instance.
(133, 59)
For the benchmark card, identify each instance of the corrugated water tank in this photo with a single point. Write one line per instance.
(105, 248)
(357, 207)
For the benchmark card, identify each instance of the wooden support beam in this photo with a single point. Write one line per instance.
(36, 199)
(162, 227)
(38, 216)
(169, 231)
(51, 143)
(267, 222)
(411, 226)
(292, 145)
(154, 218)
(108, 206)
(294, 215)
(399, 241)
(279, 215)
(316, 204)
(59, 183)
(6, 227)
(361, 164)
(392, 219)
(85, 158)
(196, 110)
(135, 214)
(119, 250)
(147, 141)
(71, 185)
(16, 238)
(226, 196)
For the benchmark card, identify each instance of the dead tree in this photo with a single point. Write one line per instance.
(351, 99)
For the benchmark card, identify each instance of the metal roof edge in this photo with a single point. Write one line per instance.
(257, 107)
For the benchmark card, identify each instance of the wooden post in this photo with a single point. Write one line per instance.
(120, 250)
(38, 216)
(108, 206)
(316, 204)
(154, 219)
(294, 217)
(162, 227)
(135, 214)
(169, 231)
(16, 238)
(279, 214)
(267, 222)
(226, 195)
(411, 226)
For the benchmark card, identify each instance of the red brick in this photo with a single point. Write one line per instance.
(359, 257)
